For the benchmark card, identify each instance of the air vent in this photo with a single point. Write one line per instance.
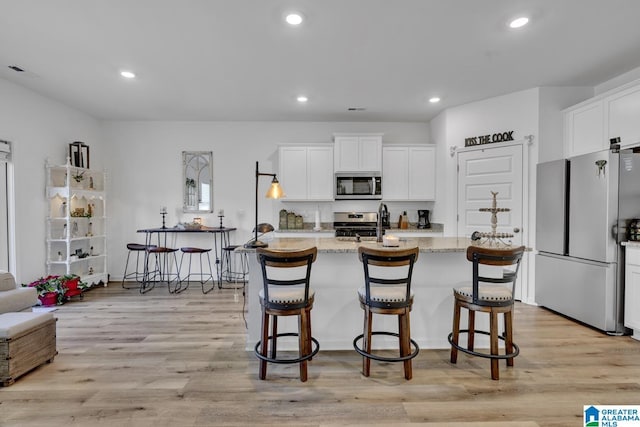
(16, 68)
(356, 109)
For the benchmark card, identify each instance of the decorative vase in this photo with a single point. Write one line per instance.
(72, 287)
(48, 299)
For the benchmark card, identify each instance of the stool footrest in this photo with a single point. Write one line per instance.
(298, 360)
(382, 358)
(516, 349)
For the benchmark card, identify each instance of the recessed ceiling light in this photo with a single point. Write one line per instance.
(294, 19)
(127, 74)
(434, 100)
(302, 99)
(519, 22)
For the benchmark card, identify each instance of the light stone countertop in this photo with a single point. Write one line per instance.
(332, 245)
(631, 244)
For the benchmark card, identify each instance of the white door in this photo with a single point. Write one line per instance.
(4, 219)
(485, 170)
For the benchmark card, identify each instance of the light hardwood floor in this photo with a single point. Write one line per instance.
(127, 359)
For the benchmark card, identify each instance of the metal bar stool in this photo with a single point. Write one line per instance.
(492, 298)
(137, 274)
(231, 271)
(286, 297)
(204, 276)
(162, 272)
(388, 295)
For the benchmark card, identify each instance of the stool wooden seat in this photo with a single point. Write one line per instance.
(138, 273)
(286, 297)
(162, 272)
(382, 294)
(488, 295)
(204, 276)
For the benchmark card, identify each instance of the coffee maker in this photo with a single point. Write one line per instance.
(386, 223)
(423, 218)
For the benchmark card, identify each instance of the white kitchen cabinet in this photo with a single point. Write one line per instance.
(358, 152)
(306, 172)
(395, 173)
(76, 223)
(632, 289)
(584, 129)
(623, 110)
(408, 172)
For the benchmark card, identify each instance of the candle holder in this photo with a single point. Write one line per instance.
(163, 212)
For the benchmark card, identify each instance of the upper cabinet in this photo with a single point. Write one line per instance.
(409, 172)
(584, 129)
(306, 172)
(591, 125)
(623, 109)
(358, 152)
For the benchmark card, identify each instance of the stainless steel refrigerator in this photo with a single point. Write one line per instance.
(583, 207)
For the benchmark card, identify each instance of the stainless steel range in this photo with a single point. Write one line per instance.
(355, 225)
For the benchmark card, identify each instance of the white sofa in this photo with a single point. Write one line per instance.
(14, 298)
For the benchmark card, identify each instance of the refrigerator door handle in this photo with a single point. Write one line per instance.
(601, 167)
(615, 233)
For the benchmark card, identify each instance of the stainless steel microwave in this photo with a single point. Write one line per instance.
(358, 185)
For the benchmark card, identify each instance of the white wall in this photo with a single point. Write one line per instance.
(38, 128)
(145, 172)
(552, 101)
(622, 79)
(143, 160)
(535, 112)
(517, 111)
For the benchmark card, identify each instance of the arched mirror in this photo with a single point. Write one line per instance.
(197, 181)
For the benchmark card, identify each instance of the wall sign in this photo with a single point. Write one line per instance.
(489, 139)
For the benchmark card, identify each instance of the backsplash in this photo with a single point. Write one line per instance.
(326, 209)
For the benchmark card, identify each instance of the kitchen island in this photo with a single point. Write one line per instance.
(336, 276)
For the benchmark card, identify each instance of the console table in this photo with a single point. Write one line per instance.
(223, 232)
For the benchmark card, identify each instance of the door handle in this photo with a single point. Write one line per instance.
(516, 230)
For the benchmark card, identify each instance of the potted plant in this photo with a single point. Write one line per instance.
(55, 289)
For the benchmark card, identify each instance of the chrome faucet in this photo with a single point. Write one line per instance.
(379, 230)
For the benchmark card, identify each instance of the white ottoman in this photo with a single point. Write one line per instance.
(27, 340)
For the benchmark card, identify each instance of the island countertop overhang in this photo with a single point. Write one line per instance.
(333, 245)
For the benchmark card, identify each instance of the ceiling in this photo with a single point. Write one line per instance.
(238, 60)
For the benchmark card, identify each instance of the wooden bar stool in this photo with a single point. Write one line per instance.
(138, 273)
(204, 276)
(491, 297)
(388, 295)
(162, 271)
(286, 297)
